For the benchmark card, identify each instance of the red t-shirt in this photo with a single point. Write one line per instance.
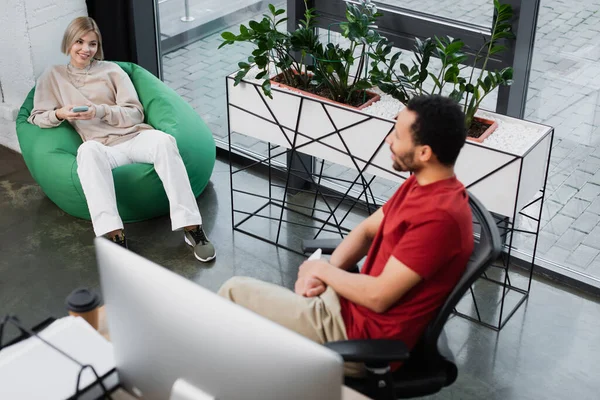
(429, 229)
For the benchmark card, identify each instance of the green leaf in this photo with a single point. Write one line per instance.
(225, 44)
(419, 44)
(265, 25)
(435, 80)
(261, 61)
(272, 8)
(440, 43)
(239, 76)
(498, 49)
(404, 69)
(374, 57)
(454, 47)
(262, 74)
(228, 36)
(459, 58)
(504, 35)
(362, 84)
(418, 57)
(255, 25)
(456, 95)
(505, 9)
(244, 65)
(451, 74)
(507, 73)
(279, 12)
(394, 58)
(503, 28)
(266, 86)
(487, 84)
(282, 20)
(441, 54)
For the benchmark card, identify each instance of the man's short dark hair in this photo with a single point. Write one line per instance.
(440, 124)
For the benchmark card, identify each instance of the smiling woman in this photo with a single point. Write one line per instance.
(100, 101)
(83, 50)
(82, 42)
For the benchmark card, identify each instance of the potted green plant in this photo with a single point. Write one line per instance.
(276, 48)
(302, 62)
(468, 91)
(333, 64)
(504, 177)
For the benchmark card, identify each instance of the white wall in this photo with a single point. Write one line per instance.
(30, 36)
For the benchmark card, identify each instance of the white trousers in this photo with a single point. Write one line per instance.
(96, 161)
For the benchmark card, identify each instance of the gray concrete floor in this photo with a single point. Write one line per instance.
(548, 350)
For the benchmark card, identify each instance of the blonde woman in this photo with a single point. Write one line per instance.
(99, 100)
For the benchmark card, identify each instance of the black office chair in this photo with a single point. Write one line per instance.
(430, 366)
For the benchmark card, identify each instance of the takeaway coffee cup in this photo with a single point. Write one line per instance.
(84, 303)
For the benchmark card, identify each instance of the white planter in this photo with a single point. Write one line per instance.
(504, 181)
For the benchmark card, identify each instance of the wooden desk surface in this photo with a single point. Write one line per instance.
(120, 394)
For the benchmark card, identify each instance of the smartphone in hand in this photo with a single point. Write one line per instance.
(316, 255)
(80, 109)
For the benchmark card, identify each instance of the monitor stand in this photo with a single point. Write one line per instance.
(183, 390)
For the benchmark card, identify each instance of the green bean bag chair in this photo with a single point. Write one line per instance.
(50, 154)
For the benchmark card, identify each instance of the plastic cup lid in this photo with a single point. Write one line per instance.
(82, 300)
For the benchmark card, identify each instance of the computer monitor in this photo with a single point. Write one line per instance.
(164, 328)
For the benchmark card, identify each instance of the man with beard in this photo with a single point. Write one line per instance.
(417, 246)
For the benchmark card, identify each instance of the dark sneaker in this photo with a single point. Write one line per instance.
(203, 248)
(121, 240)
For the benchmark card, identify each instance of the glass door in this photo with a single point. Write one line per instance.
(564, 92)
(194, 67)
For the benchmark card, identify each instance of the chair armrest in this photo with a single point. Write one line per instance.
(371, 350)
(327, 245)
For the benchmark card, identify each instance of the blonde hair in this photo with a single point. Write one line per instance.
(78, 28)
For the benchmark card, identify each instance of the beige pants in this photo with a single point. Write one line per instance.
(318, 318)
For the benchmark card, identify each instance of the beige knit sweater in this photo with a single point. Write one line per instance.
(119, 113)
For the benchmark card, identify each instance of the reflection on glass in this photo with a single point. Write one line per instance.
(478, 12)
(564, 92)
(202, 14)
(197, 70)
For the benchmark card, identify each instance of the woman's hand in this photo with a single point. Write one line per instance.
(64, 113)
(89, 114)
(67, 113)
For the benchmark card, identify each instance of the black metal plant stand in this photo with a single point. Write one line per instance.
(333, 203)
(506, 265)
(319, 210)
